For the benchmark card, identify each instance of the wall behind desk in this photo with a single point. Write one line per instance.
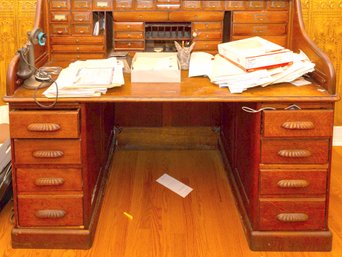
(323, 19)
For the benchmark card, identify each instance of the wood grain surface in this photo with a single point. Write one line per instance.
(205, 223)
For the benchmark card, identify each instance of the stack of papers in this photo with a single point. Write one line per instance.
(224, 73)
(255, 53)
(88, 78)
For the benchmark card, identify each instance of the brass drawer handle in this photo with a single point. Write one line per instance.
(292, 217)
(295, 153)
(300, 125)
(50, 214)
(293, 183)
(48, 154)
(43, 127)
(49, 181)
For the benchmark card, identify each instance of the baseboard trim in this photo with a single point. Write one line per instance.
(337, 138)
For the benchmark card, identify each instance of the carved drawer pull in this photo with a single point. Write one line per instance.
(43, 127)
(50, 214)
(48, 154)
(294, 153)
(293, 183)
(292, 217)
(49, 181)
(300, 125)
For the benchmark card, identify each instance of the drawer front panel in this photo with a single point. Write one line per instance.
(50, 210)
(77, 56)
(259, 29)
(77, 48)
(209, 35)
(60, 29)
(103, 4)
(207, 26)
(47, 151)
(196, 16)
(128, 26)
(292, 182)
(191, 5)
(129, 35)
(44, 124)
(206, 45)
(82, 29)
(280, 40)
(81, 16)
(129, 44)
(77, 40)
(294, 151)
(261, 17)
(81, 4)
(302, 123)
(60, 16)
(45, 180)
(292, 215)
(140, 16)
(59, 5)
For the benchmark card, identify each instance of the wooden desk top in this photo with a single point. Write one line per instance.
(198, 89)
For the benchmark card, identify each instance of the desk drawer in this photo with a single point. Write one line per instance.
(209, 35)
(294, 151)
(60, 16)
(76, 56)
(50, 210)
(59, 5)
(259, 29)
(139, 45)
(292, 214)
(47, 151)
(207, 26)
(260, 17)
(82, 29)
(81, 17)
(45, 180)
(129, 26)
(191, 5)
(280, 40)
(103, 5)
(81, 4)
(80, 40)
(206, 45)
(77, 48)
(293, 182)
(60, 29)
(129, 35)
(301, 123)
(44, 124)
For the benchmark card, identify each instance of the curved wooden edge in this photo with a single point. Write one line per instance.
(12, 82)
(324, 72)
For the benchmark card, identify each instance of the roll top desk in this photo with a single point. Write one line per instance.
(278, 160)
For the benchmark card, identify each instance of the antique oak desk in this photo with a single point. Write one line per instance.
(278, 160)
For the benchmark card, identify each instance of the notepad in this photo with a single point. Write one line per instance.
(174, 185)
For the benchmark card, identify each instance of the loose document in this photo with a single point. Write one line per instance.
(224, 73)
(88, 78)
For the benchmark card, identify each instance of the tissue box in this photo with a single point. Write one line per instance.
(155, 67)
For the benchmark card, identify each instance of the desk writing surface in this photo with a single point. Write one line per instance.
(198, 89)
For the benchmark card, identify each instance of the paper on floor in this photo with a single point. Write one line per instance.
(174, 185)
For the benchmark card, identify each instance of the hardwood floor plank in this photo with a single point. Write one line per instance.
(205, 223)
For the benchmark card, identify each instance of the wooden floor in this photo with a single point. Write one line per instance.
(204, 224)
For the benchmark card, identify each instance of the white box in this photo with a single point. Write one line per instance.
(155, 67)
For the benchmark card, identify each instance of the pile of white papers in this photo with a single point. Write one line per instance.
(226, 74)
(88, 78)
